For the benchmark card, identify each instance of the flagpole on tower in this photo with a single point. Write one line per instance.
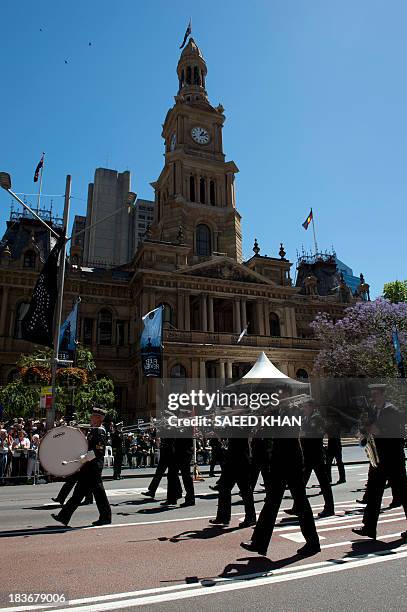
(313, 231)
(40, 185)
(58, 314)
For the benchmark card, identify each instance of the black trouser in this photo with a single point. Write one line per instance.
(395, 472)
(216, 457)
(280, 478)
(67, 487)
(159, 473)
(89, 481)
(314, 460)
(334, 451)
(117, 465)
(258, 467)
(182, 464)
(235, 475)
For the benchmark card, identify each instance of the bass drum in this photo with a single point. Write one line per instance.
(62, 444)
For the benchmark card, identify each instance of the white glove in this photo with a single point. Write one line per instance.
(90, 455)
(83, 458)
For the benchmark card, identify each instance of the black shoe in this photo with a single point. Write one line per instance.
(403, 535)
(309, 549)
(148, 494)
(394, 504)
(186, 503)
(100, 522)
(253, 548)
(291, 511)
(325, 512)
(364, 532)
(216, 521)
(361, 501)
(56, 517)
(57, 501)
(341, 481)
(87, 502)
(246, 523)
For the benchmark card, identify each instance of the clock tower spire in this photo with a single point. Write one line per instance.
(195, 190)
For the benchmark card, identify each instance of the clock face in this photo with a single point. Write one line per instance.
(173, 141)
(200, 135)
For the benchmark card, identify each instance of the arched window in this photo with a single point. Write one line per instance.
(188, 75)
(178, 371)
(196, 75)
(203, 240)
(212, 193)
(192, 188)
(202, 191)
(29, 259)
(22, 309)
(105, 327)
(301, 374)
(167, 314)
(274, 324)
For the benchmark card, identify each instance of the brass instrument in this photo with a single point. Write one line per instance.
(371, 451)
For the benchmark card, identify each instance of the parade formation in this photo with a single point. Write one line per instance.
(180, 421)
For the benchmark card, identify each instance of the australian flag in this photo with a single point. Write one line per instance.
(37, 325)
(38, 168)
(151, 343)
(67, 334)
(187, 33)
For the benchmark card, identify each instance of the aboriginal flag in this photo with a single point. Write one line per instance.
(37, 324)
(38, 168)
(308, 220)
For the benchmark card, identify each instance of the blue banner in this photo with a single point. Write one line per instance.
(397, 352)
(67, 335)
(151, 343)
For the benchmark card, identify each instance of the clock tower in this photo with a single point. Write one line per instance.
(195, 190)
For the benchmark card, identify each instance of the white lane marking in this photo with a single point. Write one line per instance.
(219, 586)
(128, 492)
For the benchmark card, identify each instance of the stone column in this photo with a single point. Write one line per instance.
(266, 319)
(293, 323)
(187, 314)
(3, 312)
(243, 310)
(221, 370)
(180, 311)
(260, 317)
(204, 313)
(95, 331)
(210, 314)
(237, 321)
(229, 370)
(202, 369)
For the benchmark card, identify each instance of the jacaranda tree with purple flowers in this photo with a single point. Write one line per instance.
(360, 344)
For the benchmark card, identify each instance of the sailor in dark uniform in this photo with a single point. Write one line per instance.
(117, 439)
(311, 437)
(90, 474)
(285, 470)
(70, 482)
(387, 426)
(236, 471)
(167, 450)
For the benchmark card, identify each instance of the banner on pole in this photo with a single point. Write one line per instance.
(151, 343)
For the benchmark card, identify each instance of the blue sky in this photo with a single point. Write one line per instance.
(314, 92)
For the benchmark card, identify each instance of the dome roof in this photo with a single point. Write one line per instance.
(191, 49)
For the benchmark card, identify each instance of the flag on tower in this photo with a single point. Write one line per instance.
(308, 220)
(187, 33)
(38, 168)
(37, 324)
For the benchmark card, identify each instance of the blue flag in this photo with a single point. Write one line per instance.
(67, 335)
(151, 342)
(397, 351)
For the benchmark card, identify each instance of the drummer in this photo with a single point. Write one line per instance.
(90, 475)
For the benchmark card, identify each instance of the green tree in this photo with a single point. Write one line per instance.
(396, 291)
(19, 399)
